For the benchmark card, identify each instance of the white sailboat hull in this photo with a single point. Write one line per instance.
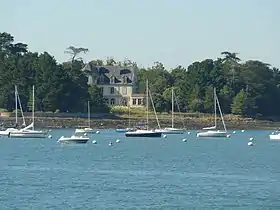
(73, 139)
(84, 130)
(171, 131)
(28, 134)
(274, 137)
(7, 131)
(212, 134)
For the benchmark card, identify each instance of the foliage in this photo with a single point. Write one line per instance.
(58, 87)
(249, 88)
(238, 106)
(75, 51)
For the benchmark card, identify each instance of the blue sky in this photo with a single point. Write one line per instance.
(176, 32)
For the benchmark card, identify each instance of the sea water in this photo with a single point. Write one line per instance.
(141, 173)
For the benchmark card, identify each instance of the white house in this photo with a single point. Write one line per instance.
(118, 84)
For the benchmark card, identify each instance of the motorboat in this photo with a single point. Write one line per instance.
(274, 136)
(74, 139)
(84, 130)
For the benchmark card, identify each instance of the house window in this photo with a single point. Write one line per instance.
(112, 102)
(112, 79)
(125, 80)
(124, 90)
(139, 101)
(106, 100)
(124, 102)
(112, 90)
(101, 79)
(134, 101)
(102, 90)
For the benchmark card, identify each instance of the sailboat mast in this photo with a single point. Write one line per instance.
(215, 107)
(154, 109)
(147, 103)
(129, 116)
(21, 111)
(16, 104)
(172, 93)
(220, 110)
(88, 105)
(33, 105)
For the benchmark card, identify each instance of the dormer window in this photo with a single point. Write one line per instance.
(112, 79)
(101, 79)
(125, 80)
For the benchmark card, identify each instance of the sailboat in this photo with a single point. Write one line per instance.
(87, 129)
(212, 131)
(123, 130)
(8, 130)
(145, 133)
(29, 132)
(172, 130)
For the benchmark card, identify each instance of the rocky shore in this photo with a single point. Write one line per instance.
(191, 123)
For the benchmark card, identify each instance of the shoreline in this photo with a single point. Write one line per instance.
(190, 123)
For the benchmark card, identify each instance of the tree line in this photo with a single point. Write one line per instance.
(250, 88)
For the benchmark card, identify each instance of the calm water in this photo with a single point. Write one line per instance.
(141, 173)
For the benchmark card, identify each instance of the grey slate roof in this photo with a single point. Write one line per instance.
(110, 74)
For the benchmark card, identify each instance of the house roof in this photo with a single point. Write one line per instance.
(111, 74)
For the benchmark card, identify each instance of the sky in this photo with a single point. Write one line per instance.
(177, 32)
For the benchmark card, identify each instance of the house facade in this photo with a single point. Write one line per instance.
(118, 84)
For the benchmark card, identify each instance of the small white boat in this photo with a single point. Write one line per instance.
(211, 131)
(74, 139)
(274, 136)
(87, 130)
(84, 130)
(143, 133)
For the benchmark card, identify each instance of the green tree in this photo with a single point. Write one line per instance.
(195, 104)
(208, 102)
(110, 61)
(238, 106)
(74, 52)
(96, 99)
